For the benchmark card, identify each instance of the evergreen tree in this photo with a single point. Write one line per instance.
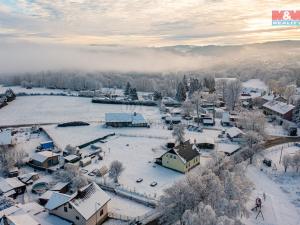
(181, 92)
(296, 112)
(133, 94)
(185, 83)
(127, 89)
(195, 85)
(157, 95)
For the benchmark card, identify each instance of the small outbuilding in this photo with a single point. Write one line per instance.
(45, 159)
(125, 120)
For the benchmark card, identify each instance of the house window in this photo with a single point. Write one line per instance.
(174, 156)
(65, 209)
(101, 212)
(70, 206)
(77, 218)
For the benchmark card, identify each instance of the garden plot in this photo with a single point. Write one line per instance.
(126, 207)
(137, 156)
(56, 109)
(28, 142)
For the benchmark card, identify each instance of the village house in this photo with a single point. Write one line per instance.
(279, 109)
(125, 120)
(225, 121)
(235, 134)
(204, 142)
(11, 187)
(181, 158)
(29, 214)
(86, 207)
(5, 137)
(45, 159)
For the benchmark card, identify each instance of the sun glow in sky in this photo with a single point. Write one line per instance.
(143, 22)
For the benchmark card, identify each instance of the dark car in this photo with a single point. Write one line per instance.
(139, 180)
(153, 184)
(267, 162)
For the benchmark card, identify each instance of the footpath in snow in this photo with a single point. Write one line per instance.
(277, 209)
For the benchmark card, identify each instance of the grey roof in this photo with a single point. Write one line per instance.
(279, 107)
(186, 151)
(134, 118)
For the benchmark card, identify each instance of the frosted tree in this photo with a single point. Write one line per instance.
(195, 86)
(115, 170)
(72, 174)
(185, 83)
(296, 112)
(181, 92)
(289, 91)
(296, 161)
(286, 162)
(209, 83)
(187, 108)
(179, 133)
(252, 121)
(232, 95)
(221, 86)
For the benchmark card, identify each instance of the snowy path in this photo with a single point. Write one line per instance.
(277, 209)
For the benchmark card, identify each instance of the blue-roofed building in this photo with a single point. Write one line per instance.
(125, 120)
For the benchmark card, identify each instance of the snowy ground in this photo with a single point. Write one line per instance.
(282, 205)
(255, 84)
(19, 89)
(54, 109)
(136, 148)
(277, 209)
(126, 207)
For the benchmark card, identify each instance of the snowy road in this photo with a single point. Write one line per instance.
(277, 208)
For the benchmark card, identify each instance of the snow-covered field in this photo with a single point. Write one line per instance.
(255, 84)
(276, 209)
(136, 148)
(19, 89)
(54, 109)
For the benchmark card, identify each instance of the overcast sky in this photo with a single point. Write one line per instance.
(143, 22)
(103, 34)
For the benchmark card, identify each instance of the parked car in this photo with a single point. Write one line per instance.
(139, 180)
(267, 162)
(153, 184)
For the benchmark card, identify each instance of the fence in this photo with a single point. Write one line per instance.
(123, 191)
(118, 216)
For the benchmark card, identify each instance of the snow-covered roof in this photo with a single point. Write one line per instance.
(27, 176)
(173, 118)
(279, 107)
(90, 200)
(8, 184)
(14, 182)
(208, 121)
(134, 118)
(204, 139)
(46, 195)
(57, 199)
(71, 157)
(225, 117)
(59, 186)
(5, 137)
(268, 97)
(4, 186)
(43, 156)
(228, 148)
(233, 132)
(31, 214)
